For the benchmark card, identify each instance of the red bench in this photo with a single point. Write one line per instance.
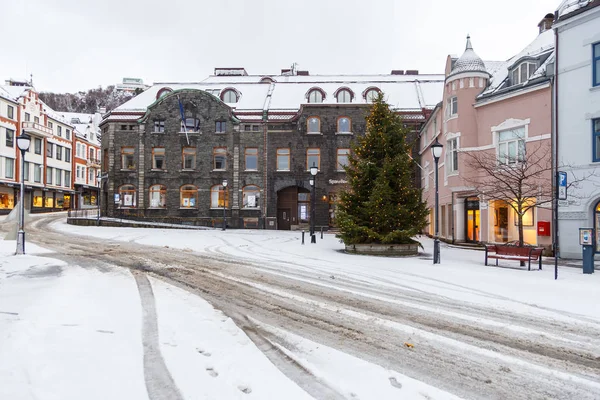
(503, 252)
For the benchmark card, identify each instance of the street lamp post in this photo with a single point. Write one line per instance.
(313, 202)
(224, 203)
(436, 151)
(99, 179)
(23, 142)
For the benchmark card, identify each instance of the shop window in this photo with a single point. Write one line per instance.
(49, 202)
(218, 197)
(127, 196)
(158, 196)
(7, 201)
(528, 218)
(251, 196)
(188, 196)
(38, 200)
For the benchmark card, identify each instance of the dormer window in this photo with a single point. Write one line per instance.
(344, 96)
(523, 72)
(229, 96)
(315, 96)
(163, 92)
(371, 95)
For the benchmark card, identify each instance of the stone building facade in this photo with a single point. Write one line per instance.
(167, 152)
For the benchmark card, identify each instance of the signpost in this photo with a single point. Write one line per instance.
(562, 185)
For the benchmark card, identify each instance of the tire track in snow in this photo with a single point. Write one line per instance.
(159, 382)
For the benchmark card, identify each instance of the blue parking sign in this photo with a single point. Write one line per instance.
(562, 185)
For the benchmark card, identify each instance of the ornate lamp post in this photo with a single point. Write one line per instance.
(436, 151)
(224, 203)
(313, 202)
(23, 142)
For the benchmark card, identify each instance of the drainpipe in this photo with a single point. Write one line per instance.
(554, 111)
(452, 219)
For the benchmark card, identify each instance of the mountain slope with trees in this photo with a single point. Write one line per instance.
(86, 102)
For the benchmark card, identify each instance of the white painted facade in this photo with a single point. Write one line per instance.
(578, 105)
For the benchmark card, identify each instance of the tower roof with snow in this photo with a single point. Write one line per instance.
(468, 62)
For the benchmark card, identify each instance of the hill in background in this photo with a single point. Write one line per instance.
(88, 102)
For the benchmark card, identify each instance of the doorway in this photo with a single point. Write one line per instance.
(472, 219)
(283, 219)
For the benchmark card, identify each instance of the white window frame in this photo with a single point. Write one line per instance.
(451, 160)
(518, 142)
(516, 73)
(452, 107)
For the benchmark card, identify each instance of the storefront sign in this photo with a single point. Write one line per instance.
(337, 181)
(117, 198)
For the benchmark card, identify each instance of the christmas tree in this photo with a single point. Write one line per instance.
(382, 203)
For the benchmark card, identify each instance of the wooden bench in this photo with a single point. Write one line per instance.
(503, 252)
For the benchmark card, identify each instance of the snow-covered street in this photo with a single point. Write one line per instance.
(124, 313)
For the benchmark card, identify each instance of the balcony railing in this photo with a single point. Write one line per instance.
(93, 161)
(35, 127)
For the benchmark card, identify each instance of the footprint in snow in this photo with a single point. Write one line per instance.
(204, 353)
(245, 389)
(211, 371)
(394, 382)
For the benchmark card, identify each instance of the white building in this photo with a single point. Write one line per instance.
(577, 118)
(131, 85)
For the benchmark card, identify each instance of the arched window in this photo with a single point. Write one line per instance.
(191, 125)
(127, 196)
(229, 96)
(315, 96)
(158, 196)
(344, 96)
(218, 197)
(162, 92)
(343, 125)
(267, 79)
(188, 196)
(251, 196)
(313, 125)
(371, 95)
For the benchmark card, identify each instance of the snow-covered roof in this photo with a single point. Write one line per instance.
(569, 6)
(468, 62)
(288, 92)
(542, 45)
(13, 92)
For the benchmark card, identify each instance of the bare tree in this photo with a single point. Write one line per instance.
(521, 179)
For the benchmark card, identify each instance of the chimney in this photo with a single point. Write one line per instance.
(546, 23)
(397, 72)
(286, 71)
(412, 72)
(302, 73)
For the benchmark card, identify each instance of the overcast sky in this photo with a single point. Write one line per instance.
(72, 45)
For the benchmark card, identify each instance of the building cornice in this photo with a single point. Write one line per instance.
(501, 97)
(577, 17)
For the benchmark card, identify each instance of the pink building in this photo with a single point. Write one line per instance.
(494, 107)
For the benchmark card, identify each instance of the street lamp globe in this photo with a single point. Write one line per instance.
(314, 170)
(23, 142)
(436, 149)
(224, 182)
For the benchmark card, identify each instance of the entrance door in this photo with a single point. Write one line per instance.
(472, 225)
(472, 219)
(283, 219)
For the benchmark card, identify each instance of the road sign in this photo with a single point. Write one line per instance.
(562, 185)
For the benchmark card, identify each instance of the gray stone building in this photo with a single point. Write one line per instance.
(168, 151)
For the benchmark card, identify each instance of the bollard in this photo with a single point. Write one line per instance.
(302, 237)
(321, 232)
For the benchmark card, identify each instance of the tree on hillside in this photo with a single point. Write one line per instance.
(86, 102)
(382, 203)
(521, 177)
